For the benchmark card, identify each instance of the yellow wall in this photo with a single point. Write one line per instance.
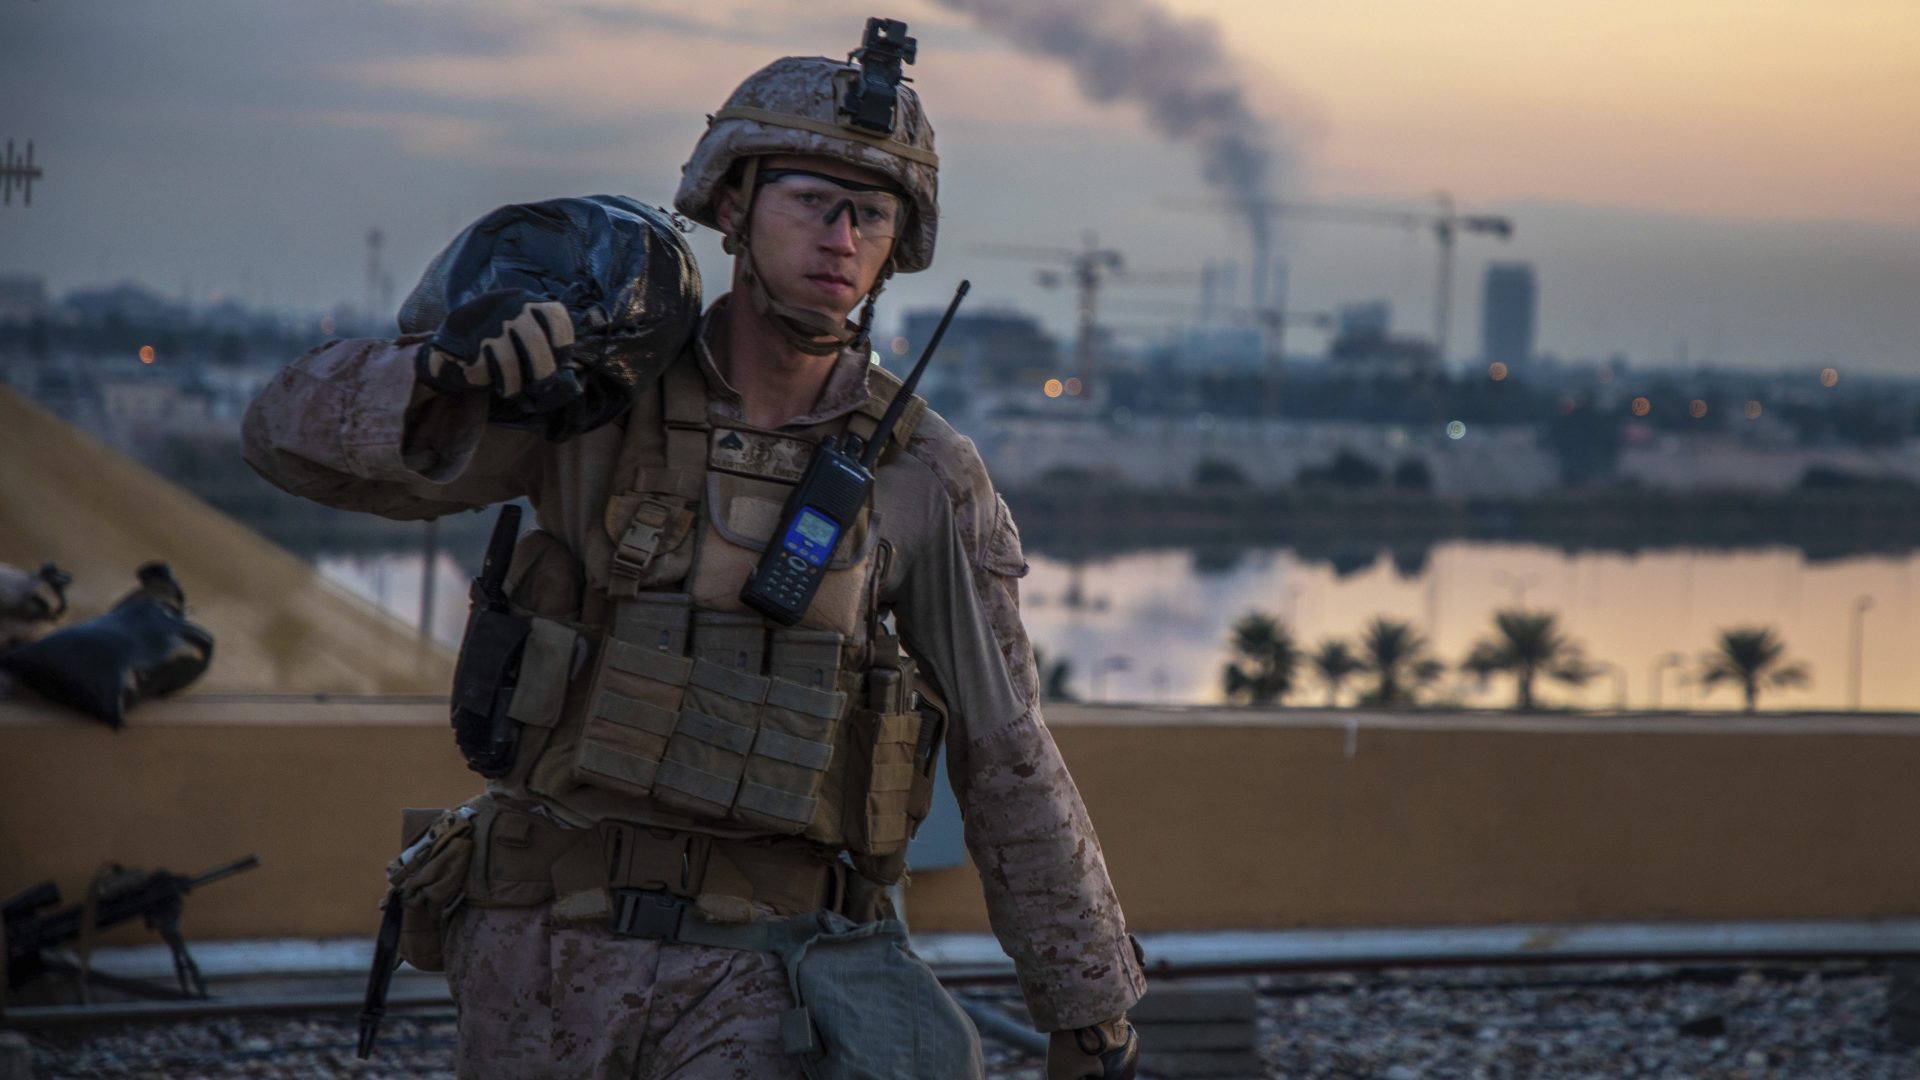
(1210, 818)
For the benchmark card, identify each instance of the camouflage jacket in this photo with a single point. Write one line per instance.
(345, 425)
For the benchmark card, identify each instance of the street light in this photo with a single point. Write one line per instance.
(1111, 663)
(1660, 666)
(1607, 667)
(1856, 649)
(1517, 584)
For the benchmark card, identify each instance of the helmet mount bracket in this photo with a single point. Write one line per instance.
(871, 101)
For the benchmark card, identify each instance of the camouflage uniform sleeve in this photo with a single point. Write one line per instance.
(1049, 899)
(344, 426)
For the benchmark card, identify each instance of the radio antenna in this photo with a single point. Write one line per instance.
(899, 403)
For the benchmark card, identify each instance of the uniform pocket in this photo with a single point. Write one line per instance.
(704, 760)
(742, 516)
(880, 780)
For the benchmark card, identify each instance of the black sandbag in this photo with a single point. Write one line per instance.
(621, 268)
(104, 666)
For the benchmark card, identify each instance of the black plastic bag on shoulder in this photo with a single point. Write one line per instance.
(620, 266)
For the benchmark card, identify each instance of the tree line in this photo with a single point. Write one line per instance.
(1392, 663)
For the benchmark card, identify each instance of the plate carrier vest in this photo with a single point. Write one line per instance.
(699, 714)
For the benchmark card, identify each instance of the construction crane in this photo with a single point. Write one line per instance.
(1445, 223)
(23, 172)
(1089, 268)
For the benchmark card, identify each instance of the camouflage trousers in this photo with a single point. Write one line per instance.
(543, 1000)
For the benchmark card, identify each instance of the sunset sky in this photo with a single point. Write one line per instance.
(1738, 180)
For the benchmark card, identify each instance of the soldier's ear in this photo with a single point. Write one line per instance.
(726, 205)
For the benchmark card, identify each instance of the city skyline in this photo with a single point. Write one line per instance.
(214, 146)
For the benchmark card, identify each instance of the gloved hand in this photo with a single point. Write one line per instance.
(509, 341)
(1109, 1051)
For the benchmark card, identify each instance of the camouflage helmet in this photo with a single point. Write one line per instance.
(793, 106)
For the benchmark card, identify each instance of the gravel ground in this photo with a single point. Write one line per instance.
(1813, 1022)
(1821, 1022)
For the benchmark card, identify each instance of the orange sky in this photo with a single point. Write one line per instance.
(1761, 108)
(1776, 109)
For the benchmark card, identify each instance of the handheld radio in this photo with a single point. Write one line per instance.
(827, 499)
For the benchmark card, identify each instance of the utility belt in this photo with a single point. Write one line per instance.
(846, 956)
(523, 859)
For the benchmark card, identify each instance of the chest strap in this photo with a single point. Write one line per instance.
(882, 385)
(658, 501)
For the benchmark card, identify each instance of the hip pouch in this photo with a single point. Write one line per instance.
(430, 878)
(867, 1008)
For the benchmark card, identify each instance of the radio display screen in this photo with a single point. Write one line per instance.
(811, 536)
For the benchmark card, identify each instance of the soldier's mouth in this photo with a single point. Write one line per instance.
(831, 282)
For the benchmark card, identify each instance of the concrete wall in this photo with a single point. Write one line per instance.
(1210, 818)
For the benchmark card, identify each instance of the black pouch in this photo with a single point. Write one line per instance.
(483, 684)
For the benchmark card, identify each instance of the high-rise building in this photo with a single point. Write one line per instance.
(1506, 314)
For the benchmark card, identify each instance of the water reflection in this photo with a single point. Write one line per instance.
(1155, 625)
(394, 582)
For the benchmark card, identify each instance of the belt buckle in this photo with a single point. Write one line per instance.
(676, 862)
(644, 913)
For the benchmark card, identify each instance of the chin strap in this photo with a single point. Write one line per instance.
(803, 329)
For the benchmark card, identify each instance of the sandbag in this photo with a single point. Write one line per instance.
(143, 648)
(622, 269)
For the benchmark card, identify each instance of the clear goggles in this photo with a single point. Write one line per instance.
(875, 212)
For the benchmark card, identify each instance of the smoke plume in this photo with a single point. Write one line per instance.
(1175, 69)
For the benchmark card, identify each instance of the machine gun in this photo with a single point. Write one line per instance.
(158, 897)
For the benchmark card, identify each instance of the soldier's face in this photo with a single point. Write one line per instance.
(823, 261)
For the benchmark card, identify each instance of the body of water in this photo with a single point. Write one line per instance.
(1154, 627)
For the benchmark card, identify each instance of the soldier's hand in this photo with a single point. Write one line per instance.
(508, 341)
(1109, 1051)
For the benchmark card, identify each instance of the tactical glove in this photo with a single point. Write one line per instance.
(508, 341)
(1109, 1051)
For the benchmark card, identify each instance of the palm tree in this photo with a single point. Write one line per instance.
(1395, 654)
(1264, 660)
(1527, 644)
(1334, 662)
(1054, 677)
(1752, 656)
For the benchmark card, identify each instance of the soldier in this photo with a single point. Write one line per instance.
(675, 866)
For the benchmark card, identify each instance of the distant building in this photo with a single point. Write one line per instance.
(1364, 347)
(1506, 314)
(22, 299)
(995, 352)
(1216, 349)
(126, 302)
